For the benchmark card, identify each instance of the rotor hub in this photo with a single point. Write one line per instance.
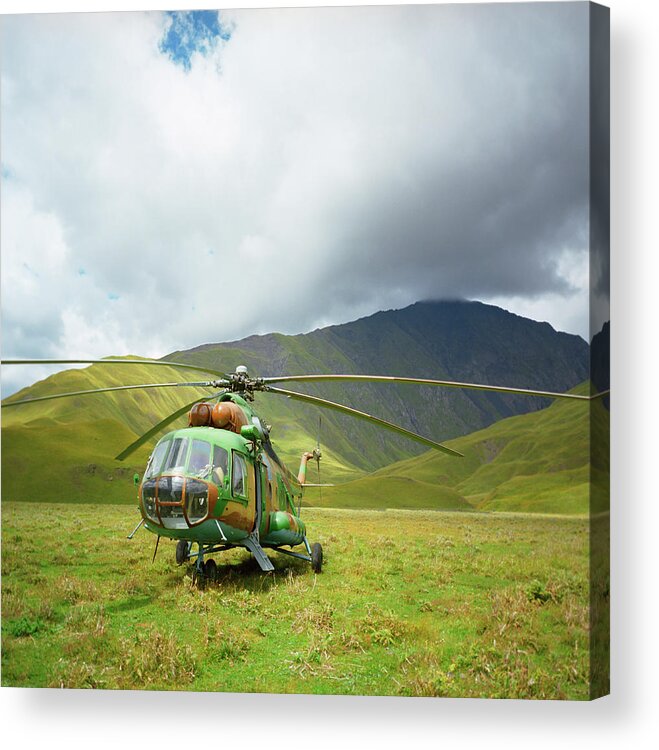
(240, 382)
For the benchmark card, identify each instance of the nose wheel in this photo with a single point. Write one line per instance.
(210, 570)
(182, 551)
(204, 574)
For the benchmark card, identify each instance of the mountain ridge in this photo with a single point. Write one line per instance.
(452, 340)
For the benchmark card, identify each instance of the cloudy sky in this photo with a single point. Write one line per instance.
(175, 179)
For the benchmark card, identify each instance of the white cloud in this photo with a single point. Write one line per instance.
(340, 162)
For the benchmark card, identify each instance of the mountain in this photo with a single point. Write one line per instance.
(600, 361)
(537, 462)
(63, 449)
(452, 340)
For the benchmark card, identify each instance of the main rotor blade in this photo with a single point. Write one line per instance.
(270, 450)
(424, 381)
(198, 384)
(158, 362)
(161, 425)
(362, 415)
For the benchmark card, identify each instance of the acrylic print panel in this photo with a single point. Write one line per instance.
(351, 269)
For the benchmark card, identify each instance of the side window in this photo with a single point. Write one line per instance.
(238, 476)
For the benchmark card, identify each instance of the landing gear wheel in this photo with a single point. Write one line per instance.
(182, 549)
(316, 557)
(210, 570)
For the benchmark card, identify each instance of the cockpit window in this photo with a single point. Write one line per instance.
(176, 458)
(200, 459)
(220, 464)
(239, 476)
(157, 458)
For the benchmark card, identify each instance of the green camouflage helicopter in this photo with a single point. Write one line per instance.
(218, 483)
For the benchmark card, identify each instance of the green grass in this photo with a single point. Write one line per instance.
(410, 603)
(388, 490)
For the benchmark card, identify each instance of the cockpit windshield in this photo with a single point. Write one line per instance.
(206, 461)
(175, 462)
(199, 463)
(156, 459)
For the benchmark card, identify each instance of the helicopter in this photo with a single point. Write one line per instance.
(218, 482)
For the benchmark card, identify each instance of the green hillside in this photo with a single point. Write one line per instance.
(63, 450)
(537, 462)
(137, 410)
(47, 461)
(454, 340)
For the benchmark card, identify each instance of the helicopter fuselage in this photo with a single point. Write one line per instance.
(215, 486)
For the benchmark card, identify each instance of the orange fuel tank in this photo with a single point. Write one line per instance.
(200, 415)
(224, 416)
(228, 416)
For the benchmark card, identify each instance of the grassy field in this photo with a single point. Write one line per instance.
(410, 603)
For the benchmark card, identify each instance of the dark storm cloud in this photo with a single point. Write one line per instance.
(488, 206)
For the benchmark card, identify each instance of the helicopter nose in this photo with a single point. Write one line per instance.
(177, 501)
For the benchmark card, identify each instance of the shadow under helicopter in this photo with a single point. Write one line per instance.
(247, 575)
